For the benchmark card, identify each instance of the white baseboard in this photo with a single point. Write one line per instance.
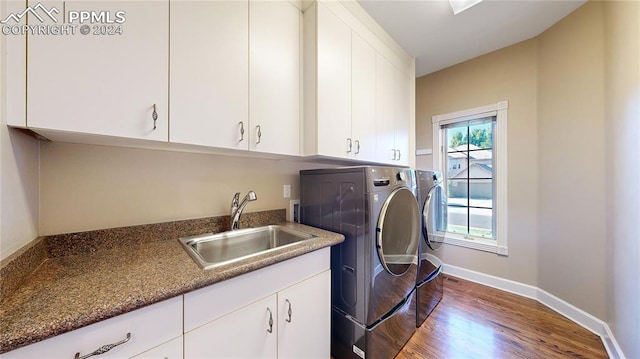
(571, 312)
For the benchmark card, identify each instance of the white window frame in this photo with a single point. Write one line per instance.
(499, 244)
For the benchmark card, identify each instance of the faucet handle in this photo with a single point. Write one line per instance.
(235, 202)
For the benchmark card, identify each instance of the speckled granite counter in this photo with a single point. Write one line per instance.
(73, 291)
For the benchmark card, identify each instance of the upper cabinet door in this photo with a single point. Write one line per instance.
(363, 102)
(402, 113)
(274, 77)
(108, 81)
(385, 110)
(209, 78)
(334, 84)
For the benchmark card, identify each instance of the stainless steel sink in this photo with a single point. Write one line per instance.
(213, 250)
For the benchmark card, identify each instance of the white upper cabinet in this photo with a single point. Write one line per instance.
(215, 76)
(333, 84)
(393, 111)
(385, 110)
(274, 77)
(363, 99)
(356, 106)
(110, 81)
(402, 120)
(209, 78)
(235, 75)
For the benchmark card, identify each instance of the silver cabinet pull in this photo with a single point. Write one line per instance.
(357, 146)
(270, 329)
(349, 145)
(395, 155)
(289, 311)
(399, 155)
(241, 131)
(259, 134)
(103, 349)
(154, 116)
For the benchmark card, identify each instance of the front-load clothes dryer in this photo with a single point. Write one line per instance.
(373, 271)
(432, 200)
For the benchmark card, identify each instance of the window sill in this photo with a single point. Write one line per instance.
(480, 244)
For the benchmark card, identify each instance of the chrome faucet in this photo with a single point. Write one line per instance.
(236, 209)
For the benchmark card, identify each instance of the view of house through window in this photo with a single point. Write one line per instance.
(469, 175)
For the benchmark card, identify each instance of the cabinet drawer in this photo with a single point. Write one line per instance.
(149, 327)
(207, 304)
(170, 350)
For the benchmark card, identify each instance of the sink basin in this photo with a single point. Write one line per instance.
(213, 250)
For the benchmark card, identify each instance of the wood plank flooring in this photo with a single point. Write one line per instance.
(475, 321)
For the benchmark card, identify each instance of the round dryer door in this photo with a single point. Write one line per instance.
(398, 231)
(434, 217)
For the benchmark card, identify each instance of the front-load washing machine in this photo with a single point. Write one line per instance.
(373, 271)
(432, 200)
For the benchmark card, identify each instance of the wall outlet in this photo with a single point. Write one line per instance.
(286, 191)
(294, 210)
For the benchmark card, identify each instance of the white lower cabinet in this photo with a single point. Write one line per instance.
(293, 323)
(148, 327)
(248, 332)
(170, 350)
(304, 319)
(281, 311)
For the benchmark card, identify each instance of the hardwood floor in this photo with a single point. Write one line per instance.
(475, 321)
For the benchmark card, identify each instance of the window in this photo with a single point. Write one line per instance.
(472, 157)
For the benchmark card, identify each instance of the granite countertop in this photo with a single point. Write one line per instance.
(73, 291)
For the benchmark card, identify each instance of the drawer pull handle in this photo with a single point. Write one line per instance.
(289, 311)
(270, 329)
(105, 348)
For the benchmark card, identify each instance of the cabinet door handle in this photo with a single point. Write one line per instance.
(399, 155)
(270, 329)
(288, 311)
(259, 134)
(103, 349)
(154, 116)
(394, 154)
(349, 145)
(241, 131)
(357, 146)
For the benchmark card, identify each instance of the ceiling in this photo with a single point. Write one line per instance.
(428, 30)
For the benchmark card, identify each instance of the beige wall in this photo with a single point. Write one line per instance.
(622, 114)
(18, 174)
(571, 149)
(86, 187)
(508, 74)
(574, 159)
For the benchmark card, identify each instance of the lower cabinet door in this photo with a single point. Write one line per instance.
(249, 332)
(170, 350)
(304, 318)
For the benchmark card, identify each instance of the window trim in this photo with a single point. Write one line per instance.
(499, 245)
